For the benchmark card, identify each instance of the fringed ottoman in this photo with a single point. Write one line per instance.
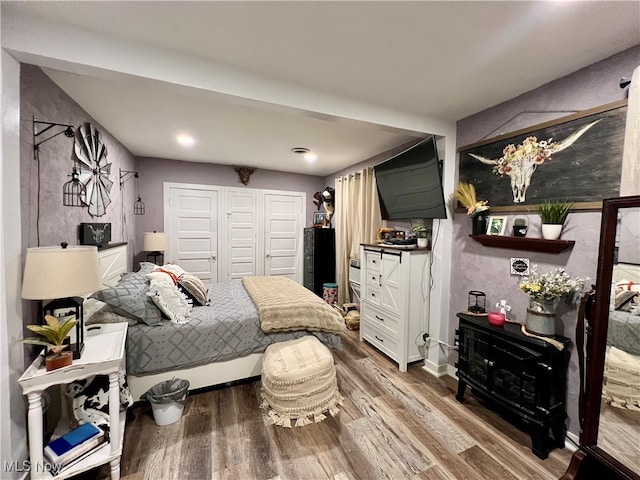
(299, 382)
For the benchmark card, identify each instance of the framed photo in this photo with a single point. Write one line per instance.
(496, 225)
(577, 158)
(318, 218)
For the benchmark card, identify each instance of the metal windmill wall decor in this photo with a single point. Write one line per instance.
(94, 169)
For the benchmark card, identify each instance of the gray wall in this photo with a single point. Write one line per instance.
(42, 98)
(487, 269)
(155, 171)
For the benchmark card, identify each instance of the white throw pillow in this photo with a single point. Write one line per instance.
(170, 300)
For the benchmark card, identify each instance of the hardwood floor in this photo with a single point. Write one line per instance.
(392, 426)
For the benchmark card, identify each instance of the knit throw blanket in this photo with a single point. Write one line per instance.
(622, 385)
(285, 305)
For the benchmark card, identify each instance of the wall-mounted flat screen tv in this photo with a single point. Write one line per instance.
(410, 183)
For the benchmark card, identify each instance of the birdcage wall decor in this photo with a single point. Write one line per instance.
(138, 207)
(477, 302)
(73, 190)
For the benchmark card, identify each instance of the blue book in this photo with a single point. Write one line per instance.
(71, 440)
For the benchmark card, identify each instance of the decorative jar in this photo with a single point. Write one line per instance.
(479, 223)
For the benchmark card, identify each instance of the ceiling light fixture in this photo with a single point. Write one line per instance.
(186, 140)
(309, 156)
(300, 150)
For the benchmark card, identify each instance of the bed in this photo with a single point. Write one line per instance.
(622, 362)
(220, 342)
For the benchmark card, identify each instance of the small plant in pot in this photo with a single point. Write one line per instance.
(421, 232)
(52, 336)
(553, 215)
(520, 227)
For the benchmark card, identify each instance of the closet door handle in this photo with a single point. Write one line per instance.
(379, 280)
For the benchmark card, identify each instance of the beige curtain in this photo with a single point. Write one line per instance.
(357, 220)
(630, 180)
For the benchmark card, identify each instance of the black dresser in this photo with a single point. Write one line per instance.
(319, 258)
(524, 375)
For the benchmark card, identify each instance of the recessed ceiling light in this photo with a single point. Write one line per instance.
(300, 150)
(309, 156)
(186, 140)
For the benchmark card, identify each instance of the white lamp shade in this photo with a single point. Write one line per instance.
(56, 272)
(155, 242)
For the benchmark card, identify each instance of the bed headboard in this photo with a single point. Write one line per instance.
(113, 263)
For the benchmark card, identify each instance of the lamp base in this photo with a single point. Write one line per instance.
(155, 256)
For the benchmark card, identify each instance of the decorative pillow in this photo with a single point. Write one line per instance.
(162, 275)
(194, 288)
(170, 300)
(625, 300)
(129, 298)
(96, 312)
(147, 267)
(173, 268)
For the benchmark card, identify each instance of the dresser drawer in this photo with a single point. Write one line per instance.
(385, 321)
(372, 294)
(382, 341)
(373, 262)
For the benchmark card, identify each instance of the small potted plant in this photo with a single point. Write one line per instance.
(520, 227)
(421, 232)
(52, 336)
(553, 215)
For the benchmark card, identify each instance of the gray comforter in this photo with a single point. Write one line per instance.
(624, 331)
(227, 328)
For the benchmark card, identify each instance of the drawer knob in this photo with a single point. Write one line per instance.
(379, 339)
(379, 318)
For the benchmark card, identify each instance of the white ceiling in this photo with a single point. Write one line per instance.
(251, 80)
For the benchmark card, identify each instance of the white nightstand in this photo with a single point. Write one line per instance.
(103, 355)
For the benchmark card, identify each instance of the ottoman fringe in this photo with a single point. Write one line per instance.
(303, 418)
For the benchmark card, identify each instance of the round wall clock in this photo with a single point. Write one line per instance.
(94, 169)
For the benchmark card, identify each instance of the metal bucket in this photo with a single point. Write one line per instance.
(541, 317)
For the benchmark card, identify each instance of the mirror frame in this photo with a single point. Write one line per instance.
(597, 320)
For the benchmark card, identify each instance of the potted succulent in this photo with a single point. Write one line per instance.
(553, 215)
(421, 232)
(52, 336)
(520, 227)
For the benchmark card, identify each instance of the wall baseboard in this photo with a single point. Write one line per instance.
(571, 441)
(435, 369)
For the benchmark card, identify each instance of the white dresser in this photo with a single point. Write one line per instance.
(395, 300)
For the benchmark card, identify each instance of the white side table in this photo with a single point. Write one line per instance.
(103, 355)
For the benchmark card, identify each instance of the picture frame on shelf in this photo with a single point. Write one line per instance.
(318, 218)
(496, 225)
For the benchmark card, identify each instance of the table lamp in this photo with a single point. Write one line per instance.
(155, 243)
(58, 276)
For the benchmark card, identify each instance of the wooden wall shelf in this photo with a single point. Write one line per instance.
(524, 243)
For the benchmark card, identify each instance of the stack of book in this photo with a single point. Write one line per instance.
(73, 446)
